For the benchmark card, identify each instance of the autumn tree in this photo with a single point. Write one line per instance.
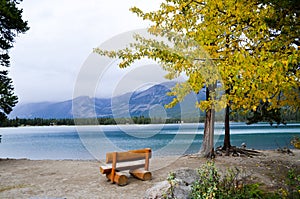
(11, 23)
(229, 43)
(284, 21)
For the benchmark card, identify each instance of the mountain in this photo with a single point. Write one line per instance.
(148, 103)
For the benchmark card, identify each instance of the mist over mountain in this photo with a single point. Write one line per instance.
(147, 103)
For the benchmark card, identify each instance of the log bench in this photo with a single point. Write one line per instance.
(118, 162)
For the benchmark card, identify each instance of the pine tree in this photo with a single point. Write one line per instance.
(11, 24)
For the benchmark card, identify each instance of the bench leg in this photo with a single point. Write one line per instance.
(113, 170)
(119, 178)
(141, 174)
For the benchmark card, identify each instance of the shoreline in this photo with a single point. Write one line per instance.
(293, 122)
(24, 178)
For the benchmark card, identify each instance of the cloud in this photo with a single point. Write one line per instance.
(46, 60)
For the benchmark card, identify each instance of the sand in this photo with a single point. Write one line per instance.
(24, 178)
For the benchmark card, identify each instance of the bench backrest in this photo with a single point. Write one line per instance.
(132, 155)
(127, 156)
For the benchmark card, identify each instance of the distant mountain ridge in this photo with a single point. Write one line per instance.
(148, 103)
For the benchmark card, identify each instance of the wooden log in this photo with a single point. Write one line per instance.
(141, 174)
(127, 156)
(119, 178)
(145, 150)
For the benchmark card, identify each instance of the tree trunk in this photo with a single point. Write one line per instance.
(207, 148)
(227, 145)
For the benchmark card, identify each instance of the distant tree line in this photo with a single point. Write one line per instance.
(16, 122)
(35, 122)
(286, 115)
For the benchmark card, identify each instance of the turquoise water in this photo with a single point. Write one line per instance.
(92, 142)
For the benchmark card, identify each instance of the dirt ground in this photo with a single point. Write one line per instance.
(24, 178)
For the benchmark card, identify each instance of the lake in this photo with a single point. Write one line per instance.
(92, 142)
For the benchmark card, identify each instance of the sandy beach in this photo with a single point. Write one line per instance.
(24, 178)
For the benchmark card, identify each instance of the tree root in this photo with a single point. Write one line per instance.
(235, 151)
(285, 150)
(211, 155)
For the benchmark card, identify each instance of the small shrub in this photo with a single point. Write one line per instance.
(207, 185)
(296, 142)
(292, 189)
(212, 185)
(171, 176)
(172, 181)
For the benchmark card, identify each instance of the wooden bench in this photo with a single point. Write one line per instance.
(115, 165)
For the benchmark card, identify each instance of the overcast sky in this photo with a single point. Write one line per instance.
(46, 60)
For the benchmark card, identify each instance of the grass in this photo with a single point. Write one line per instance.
(7, 188)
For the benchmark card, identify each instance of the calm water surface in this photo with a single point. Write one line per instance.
(92, 142)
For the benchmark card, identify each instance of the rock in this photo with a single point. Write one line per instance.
(159, 190)
(243, 145)
(187, 175)
(181, 190)
(180, 187)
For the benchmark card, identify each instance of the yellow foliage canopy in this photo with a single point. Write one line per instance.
(231, 42)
